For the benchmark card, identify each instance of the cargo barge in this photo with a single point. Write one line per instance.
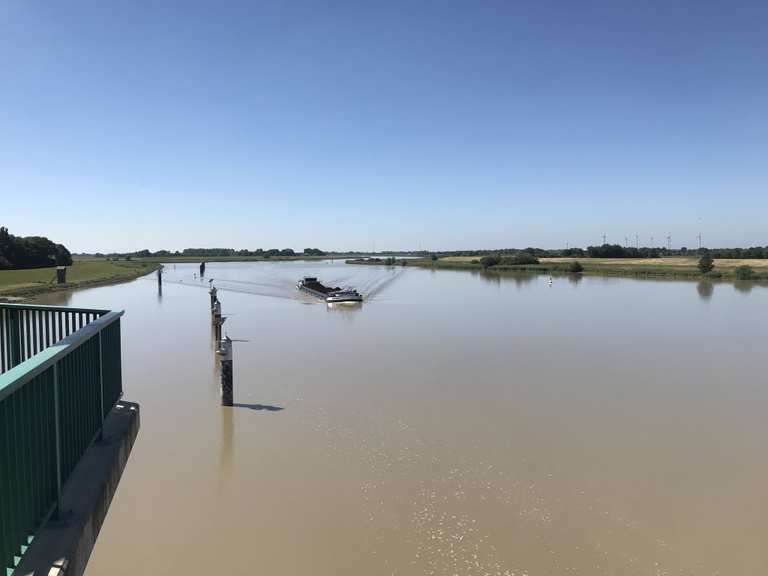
(330, 295)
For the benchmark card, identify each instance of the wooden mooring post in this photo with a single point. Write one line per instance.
(160, 277)
(202, 268)
(225, 351)
(216, 311)
(218, 320)
(212, 292)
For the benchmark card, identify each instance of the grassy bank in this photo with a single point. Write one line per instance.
(83, 273)
(675, 267)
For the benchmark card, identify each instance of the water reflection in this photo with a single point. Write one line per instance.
(346, 310)
(227, 445)
(744, 287)
(499, 277)
(56, 298)
(705, 289)
(519, 279)
(575, 278)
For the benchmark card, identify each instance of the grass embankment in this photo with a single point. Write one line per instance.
(83, 273)
(673, 267)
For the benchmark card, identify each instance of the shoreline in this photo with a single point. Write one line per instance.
(561, 268)
(31, 289)
(198, 259)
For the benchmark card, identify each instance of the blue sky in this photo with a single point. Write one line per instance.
(441, 125)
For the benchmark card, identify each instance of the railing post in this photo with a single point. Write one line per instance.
(14, 337)
(57, 424)
(101, 388)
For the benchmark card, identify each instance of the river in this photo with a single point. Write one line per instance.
(455, 423)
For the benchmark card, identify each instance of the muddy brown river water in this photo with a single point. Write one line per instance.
(455, 423)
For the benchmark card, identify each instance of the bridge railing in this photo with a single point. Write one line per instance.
(60, 375)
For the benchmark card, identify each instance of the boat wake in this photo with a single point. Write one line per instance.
(375, 286)
(371, 284)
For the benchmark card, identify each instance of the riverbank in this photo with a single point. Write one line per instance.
(676, 267)
(188, 259)
(19, 284)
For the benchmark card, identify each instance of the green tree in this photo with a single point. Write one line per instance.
(31, 252)
(706, 264)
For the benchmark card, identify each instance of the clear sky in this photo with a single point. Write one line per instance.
(433, 124)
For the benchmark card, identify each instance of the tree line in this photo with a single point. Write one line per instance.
(617, 251)
(210, 253)
(509, 255)
(18, 252)
(611, 251)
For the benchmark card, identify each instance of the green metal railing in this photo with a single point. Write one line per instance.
(60, 375)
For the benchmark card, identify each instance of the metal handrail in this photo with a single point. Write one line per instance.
(52, 308)
(54, 397)
(19, 375)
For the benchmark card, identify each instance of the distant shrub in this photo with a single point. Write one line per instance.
(433, 257)
(745, 273)
(706, 264)
(576, 267)
(523, 258)
(488, 261)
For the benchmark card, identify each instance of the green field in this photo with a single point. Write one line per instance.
(81, 273)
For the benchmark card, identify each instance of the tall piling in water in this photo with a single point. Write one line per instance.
(216, 311)
(217, 320)
(212, 292)
(202, 268)
(160, 277)
(225, 352)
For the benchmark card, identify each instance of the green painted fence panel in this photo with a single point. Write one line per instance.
(60, 374)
